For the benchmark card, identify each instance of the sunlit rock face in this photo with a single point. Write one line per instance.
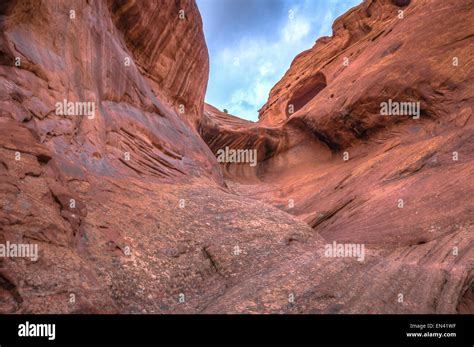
(109, 164)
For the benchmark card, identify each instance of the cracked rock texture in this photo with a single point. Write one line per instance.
(132, 213)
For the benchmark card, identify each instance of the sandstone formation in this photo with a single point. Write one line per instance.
(132, 213)
(327, 156)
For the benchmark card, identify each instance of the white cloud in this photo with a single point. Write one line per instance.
(260, 65)
(297, 27)
(266, 69)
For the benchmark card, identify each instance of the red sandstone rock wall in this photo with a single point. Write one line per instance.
(172, 54)
(386, 56)
(86, 59)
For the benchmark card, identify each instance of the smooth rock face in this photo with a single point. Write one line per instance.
(132, 213)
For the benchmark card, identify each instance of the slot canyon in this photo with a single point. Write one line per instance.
(132, 212)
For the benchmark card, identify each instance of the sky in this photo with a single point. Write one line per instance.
(252, 43)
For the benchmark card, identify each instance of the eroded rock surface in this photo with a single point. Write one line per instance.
(132, 212)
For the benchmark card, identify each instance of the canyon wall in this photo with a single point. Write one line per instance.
(172, 54)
